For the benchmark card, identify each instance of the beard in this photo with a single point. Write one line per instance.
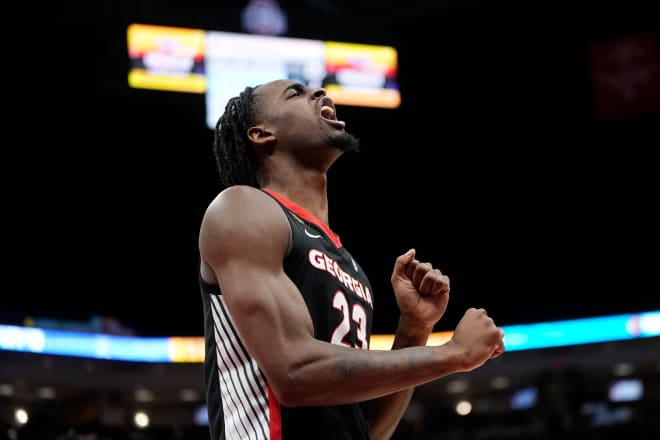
(345, 142)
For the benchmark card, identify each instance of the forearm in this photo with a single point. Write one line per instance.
(387, 411)
(337, 375)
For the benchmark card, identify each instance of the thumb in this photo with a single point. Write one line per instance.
(402, 261)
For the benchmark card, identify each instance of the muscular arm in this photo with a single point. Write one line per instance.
(475, 336)
(388, 410)
(243, 240)
(422, 294)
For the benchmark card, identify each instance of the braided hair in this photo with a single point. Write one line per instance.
(235, 155)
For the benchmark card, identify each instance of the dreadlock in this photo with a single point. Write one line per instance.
(234, 154)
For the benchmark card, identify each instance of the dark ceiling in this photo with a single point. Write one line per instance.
(496, 167)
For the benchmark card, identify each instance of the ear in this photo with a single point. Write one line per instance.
(260, 136)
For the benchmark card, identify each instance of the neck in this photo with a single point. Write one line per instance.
(305, 188)
(301, 178)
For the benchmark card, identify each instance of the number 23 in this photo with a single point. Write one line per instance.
(357, 315)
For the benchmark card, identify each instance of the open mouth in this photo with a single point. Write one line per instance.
(328, 109)
(329, 113)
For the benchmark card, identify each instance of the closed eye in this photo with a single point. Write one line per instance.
(296, 89)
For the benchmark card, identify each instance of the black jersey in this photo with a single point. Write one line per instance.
(339, 298)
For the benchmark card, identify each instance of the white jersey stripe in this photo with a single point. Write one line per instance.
(251, 379)
(245, 419)
(234, 427)
(235, 370)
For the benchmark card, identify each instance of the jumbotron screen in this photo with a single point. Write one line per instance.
(221, 64)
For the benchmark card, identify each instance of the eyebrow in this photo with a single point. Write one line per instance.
(295, 86)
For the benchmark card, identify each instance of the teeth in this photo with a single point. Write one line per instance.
(327, 112)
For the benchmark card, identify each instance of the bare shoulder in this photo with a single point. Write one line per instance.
(242, 204)
(242, 219)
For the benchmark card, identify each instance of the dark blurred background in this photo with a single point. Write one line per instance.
(522, 161)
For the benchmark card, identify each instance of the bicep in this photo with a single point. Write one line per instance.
(267, 308)
(245, 251)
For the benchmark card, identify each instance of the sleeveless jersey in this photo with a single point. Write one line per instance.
(339, 298)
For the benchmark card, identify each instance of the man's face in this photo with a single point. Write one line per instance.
(301, 117)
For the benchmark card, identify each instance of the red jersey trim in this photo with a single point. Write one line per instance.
(275, 417)
(303, 213)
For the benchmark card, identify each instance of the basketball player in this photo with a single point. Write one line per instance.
(288, 311)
